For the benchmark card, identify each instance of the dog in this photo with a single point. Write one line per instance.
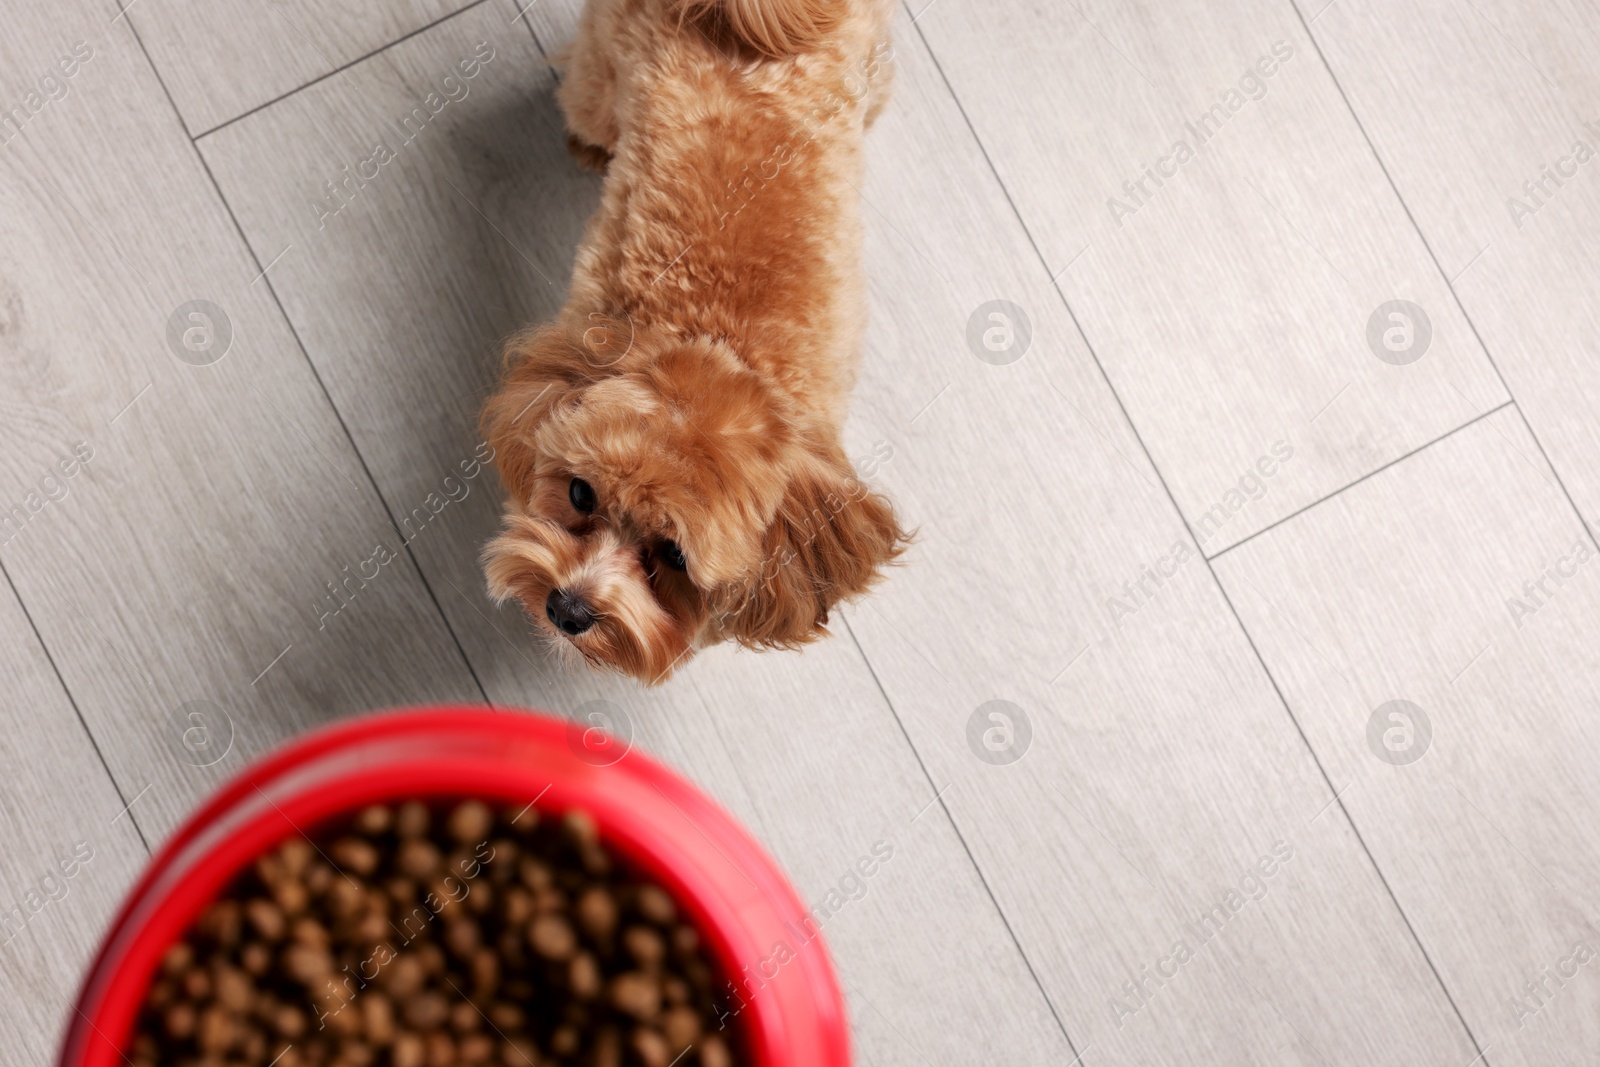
(670, 444)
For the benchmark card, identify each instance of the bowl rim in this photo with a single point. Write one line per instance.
(733, 892)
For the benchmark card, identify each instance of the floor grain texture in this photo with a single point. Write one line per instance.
(1208, 506)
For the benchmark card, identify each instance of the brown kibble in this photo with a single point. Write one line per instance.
(403, 891)
(319, 878)
(374, 819)
(222, 923)
(637, 994)
(265, 918)
(485, 970)
(412, 819)
(233, 988)
(523, 819)
(583, 977)
(308, 931)
(564, 1041)
(516, 906)
(655, 905)
(419, 859)
(579, 828)
(461, 937)
(196, 985)
(377, 1017)
(179, 1021)
(607, 1050)
(426, 1011)
(470, 822)
(307, 964)
(214, 1031)
(404, 977)
(357, 955)
(501, 861)
(507, 1017)
(476, 1048)
(597, 913)
(296, 855)
(464, 1017)
(371, 929)
(441, 1050)
(519, 1052)
(291, 896)
(649, 1048)
(252, 1045)
(647, 947)
(408, 1051)
(680, 1026)
(355, 1054)
(255, 958)
(161, 993)
(178, 958)
(552, 937)
(345, 899)
(289, 1021)
(343, 1019)
(355, 856)
(714, 1052)
(534, 875)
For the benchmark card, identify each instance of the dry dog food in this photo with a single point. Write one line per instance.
(421, 935)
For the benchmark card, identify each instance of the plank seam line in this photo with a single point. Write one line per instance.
(977, 868)
(1374, 472)
(321, 77)
(67, 692)
(1449, 283)
(316, 375)
(1095, 356)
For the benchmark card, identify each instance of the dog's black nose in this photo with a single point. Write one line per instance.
(567, 613)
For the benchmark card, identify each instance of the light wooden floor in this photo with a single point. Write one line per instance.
(1199, 534)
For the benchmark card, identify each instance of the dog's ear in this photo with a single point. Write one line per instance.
(828, 542)
(540, 366)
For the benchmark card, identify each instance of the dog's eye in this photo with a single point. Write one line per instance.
(581, 493)
(672, 556)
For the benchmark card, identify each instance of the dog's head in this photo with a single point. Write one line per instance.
(664, 496)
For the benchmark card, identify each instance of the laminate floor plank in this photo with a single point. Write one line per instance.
(1488, 124)
(400, 295)
(214, 498)
(1460, 582)
(70, 850)
(222, 58)
(1230, 285)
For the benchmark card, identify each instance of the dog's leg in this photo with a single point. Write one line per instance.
(588, 93)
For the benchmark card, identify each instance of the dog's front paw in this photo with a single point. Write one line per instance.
(589, 157)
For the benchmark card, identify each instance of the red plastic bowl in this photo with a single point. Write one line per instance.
(792, 1013)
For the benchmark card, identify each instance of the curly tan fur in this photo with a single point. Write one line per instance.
(698, 376)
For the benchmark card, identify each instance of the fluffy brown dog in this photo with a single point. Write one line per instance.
(670, 444)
